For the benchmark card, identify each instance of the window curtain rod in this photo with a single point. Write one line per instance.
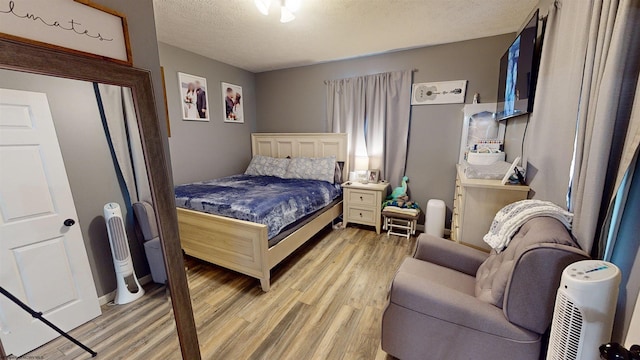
(384, 72)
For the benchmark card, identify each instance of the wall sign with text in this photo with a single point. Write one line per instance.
(78, 26)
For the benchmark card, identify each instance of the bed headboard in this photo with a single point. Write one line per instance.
(302, 145)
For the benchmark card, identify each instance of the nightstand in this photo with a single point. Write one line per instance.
(363, 203)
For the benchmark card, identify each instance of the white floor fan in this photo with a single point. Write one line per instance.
(121, 255)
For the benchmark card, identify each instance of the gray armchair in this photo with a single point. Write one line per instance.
(453, 302)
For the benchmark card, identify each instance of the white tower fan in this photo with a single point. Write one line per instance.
(121, 255)
(584, 310)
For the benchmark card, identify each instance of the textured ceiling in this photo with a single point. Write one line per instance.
(234, 32)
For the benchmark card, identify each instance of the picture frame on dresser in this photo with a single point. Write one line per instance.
(373, 175)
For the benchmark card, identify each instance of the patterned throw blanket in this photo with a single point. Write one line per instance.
(267, 200)
(511, 217)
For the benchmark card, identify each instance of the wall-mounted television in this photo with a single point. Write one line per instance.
(518, 72)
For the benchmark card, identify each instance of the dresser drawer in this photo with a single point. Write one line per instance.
(362, 198)
(361, 216)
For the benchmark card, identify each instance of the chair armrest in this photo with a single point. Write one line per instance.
(531, 289)
(449, 254)
(442, 302)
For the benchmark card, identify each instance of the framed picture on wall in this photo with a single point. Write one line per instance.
(232, 103)
(444, 92)
(193, 97)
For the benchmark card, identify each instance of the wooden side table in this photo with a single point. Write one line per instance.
(363, 203)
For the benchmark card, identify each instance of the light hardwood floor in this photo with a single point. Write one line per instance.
(326, 302)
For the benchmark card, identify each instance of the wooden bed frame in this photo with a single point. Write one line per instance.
(242, 246)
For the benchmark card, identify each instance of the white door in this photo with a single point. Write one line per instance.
(43, 260)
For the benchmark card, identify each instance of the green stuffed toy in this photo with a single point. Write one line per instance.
(400, 190)
(399, 197)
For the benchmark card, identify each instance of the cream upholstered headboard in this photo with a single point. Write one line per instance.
(302, 145)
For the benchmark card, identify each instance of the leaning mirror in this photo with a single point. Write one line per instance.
(80, 142)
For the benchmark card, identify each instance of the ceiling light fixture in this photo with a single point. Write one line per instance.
(287, 8)
(286, 15)
(292, 5)
(263, 6)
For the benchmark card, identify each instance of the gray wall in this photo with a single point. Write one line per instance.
(293, 100)
(207, 150)
(89, 166)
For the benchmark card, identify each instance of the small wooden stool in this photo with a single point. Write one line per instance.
(398, 219)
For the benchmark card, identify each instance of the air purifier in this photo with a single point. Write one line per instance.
(584, 310)
(125, 274)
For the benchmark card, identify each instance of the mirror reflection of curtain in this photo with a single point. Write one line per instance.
(375, 111)
(121, 125)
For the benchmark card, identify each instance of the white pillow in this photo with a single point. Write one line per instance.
(267, 166)
(312, 169)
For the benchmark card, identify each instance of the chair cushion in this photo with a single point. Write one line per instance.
(493, 274)
(439, 275)
(442, 293)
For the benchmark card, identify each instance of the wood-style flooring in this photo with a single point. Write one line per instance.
(326, 302)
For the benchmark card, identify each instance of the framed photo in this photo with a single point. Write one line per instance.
(373, 176)
(232, 103)
(193, 97)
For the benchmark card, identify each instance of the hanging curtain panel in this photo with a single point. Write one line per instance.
(586, 83)
(606, 102)
(121, 124)
(551, 133)
(375, 111)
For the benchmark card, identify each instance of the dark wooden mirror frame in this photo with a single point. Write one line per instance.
(31, 59)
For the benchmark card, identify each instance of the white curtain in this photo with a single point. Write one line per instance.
(375, 111)
(549, 142)
(124, 136)
(606, 102)
(583, 101)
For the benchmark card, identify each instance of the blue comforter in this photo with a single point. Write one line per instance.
(267, 200)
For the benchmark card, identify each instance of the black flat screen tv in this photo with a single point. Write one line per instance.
(518, 72)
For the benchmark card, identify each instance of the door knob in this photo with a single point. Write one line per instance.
(69, 222)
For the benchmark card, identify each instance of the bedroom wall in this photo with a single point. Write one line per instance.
(90, 169)
(207, 150)
(293, 100)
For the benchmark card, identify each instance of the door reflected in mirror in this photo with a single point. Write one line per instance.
(67, 148)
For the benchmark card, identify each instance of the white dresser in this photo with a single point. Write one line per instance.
(475, 205)
(363, 203)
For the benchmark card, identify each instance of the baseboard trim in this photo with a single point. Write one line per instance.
(107, 298)
(421, 228)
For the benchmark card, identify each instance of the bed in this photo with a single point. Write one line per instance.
(244, 246)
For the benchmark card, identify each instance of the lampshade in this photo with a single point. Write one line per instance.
(362, 163)
(286, 15)
(263, 6)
